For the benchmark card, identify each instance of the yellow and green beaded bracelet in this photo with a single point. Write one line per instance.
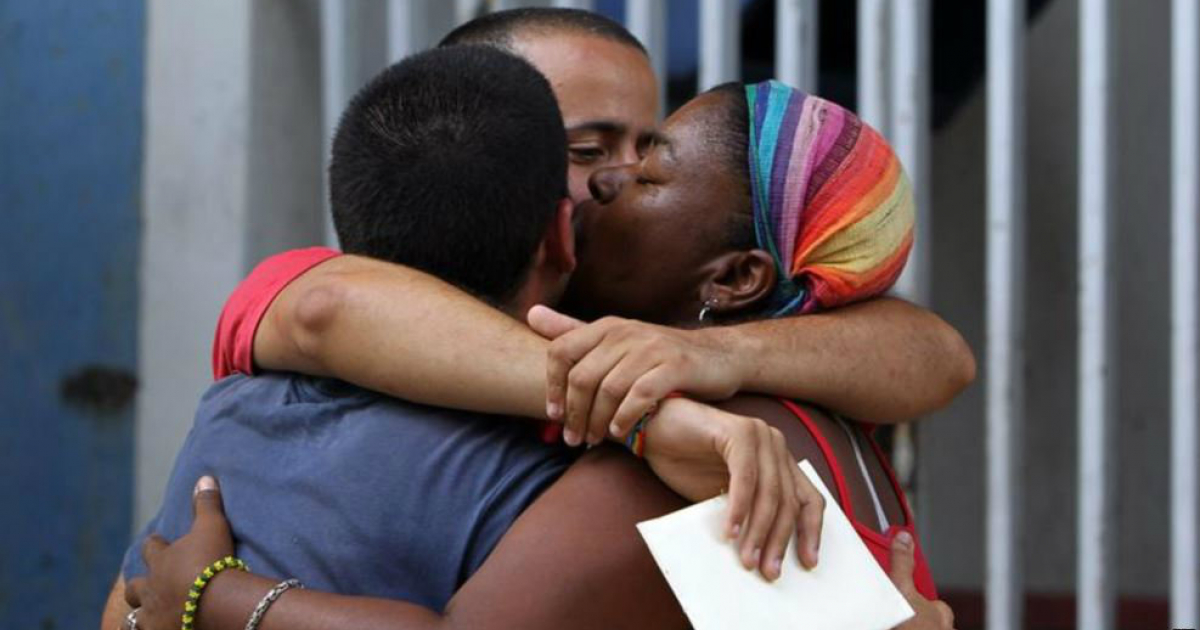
(202, 580)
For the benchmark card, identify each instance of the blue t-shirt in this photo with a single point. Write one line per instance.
(353, 492)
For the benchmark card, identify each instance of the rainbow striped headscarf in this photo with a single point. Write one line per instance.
(831, 202)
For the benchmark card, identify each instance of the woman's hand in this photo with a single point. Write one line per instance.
(931, 615)
(171, 568)
(602, 377)
(699, 451)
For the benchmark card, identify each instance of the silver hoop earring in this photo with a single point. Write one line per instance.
(709, 304)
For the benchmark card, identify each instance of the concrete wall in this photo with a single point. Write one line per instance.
(232, 173)
(951, 445)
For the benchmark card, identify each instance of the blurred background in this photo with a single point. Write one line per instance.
(151, 152)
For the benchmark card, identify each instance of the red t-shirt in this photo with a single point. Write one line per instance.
(233, 346)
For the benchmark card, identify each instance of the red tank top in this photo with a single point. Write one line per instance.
(880, 545)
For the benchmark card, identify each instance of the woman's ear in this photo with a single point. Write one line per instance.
(739, 282)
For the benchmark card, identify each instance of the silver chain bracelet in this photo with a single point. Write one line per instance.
(261, 609)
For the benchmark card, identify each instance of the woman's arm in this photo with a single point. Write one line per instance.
(588, 517)
(399, 331)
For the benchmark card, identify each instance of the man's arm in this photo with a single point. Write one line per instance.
(588, 517)
(402, 332)
(881, 361)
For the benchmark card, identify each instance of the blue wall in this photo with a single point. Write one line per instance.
(71, 84)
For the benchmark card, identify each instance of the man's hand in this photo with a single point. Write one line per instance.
(172, 567)
(699, 451)
(602, 377)
(931, 615)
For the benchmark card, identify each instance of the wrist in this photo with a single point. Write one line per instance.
(738, 350)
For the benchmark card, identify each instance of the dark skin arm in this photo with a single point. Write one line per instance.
(588, 516)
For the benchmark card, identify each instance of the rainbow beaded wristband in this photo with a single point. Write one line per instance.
(193, 599)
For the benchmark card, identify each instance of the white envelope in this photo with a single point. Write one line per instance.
(846, 591)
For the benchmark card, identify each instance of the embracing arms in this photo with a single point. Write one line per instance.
(403, 332)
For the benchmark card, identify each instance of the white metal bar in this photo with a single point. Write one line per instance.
(1097, 465)
(873, 68)
(1005, 309)
(910, 131)
(647, 20)
(504, 5)
(336, 88)
(1185, 313)
(408, 28)
(720, 42)
(796, 38)
(465, 10)
(586, 5)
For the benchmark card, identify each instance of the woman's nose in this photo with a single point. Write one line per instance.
(606, 183)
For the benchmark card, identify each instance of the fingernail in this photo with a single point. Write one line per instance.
(757, 556)
(736, 530)
(205, 484)
(614, 429)
(777, 567)
(553, 411)
(571, 437)
(904, 539)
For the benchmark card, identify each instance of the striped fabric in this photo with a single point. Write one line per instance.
(831, 202)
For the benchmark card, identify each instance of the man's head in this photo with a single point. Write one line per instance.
(599, 72)
(453, 162)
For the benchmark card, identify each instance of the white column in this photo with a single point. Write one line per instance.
(232, 185)
(1005, 309)
(720, 42)
(647, 20)
(873, 67)
(409, 29)
(586, 5)
(337, 77)
(464, 10)
(1185, 319)
(797, 28)
(910, 131)
(1097, 465)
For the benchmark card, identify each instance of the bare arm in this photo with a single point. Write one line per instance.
(588, 516)
(881, 361)
(403, 332)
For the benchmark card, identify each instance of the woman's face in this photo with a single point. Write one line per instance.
(645, 239)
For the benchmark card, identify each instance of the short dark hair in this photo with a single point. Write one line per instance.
(452, 161)
(500, 28)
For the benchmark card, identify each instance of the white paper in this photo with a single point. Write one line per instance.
(846, 591)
